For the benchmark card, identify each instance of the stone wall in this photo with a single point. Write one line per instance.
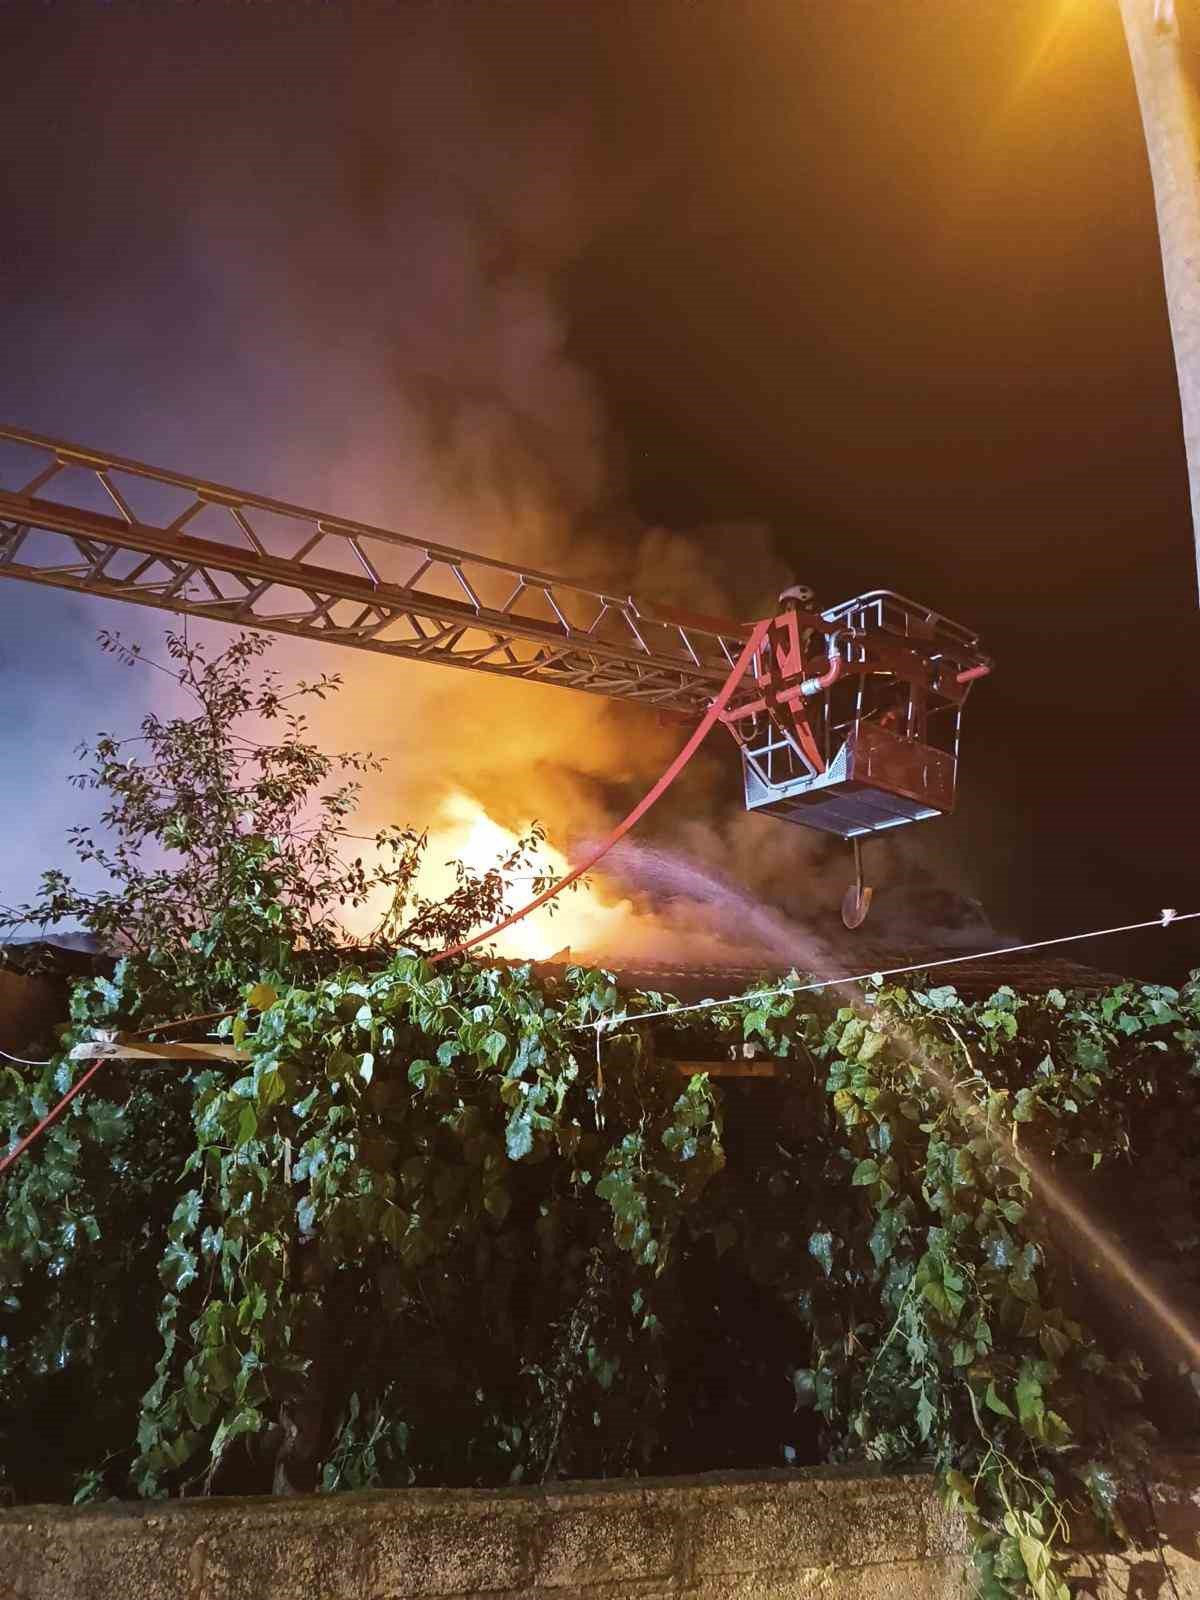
(772, 1536)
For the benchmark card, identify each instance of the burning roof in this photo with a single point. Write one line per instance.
(73, 956)
(974, 979)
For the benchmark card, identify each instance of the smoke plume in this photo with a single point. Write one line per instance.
(334, 270)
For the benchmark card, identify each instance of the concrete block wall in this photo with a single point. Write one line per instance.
(767, 1536)
(774, 1536)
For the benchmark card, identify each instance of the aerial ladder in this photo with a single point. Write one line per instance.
(847, 719)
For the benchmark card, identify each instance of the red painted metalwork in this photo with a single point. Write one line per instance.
(814, 744)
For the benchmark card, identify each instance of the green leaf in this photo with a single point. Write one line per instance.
(260, 996)
(865, 1172)
(247, 1420)
(108, 1122)
(944, 998)
(1025, 1106)
(393, 1226)
(998, 1251)
(340, 1064)
(848, 1108)
(178, 1267)
(414, 1172)
(871, 1046)
(946, 1302)
(1102, 1487)
(1030, 1405)
(851, 1038)
(926, 1415)
(889, 1226)
(186, 1216)
(200, 1406)
(994, 1403)
(937, 1297)
(820, 1247)
(960, 1488)
(271, 1088)
(1053, 1341)
(604, 1367)
(1023, 1285)
(493, 1046)
(247, 1126)
(724, 1237)
(518, 1135)
(804, 1386)
(1055, 1431)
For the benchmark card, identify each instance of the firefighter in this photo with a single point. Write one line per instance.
(801, 598)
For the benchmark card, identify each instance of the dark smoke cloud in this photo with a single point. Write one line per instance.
(327, 261)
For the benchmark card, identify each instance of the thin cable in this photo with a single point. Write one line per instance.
(51, 1116)
(757, 634)
(21, 1061)
(1165, 920)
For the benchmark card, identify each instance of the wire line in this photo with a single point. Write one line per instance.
(22, 1062)
(1165, 920)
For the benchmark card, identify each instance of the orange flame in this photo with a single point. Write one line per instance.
(584, 919)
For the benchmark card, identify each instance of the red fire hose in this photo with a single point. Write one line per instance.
(50, 1117)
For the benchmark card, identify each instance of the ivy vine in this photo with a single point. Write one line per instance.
(438, 1228)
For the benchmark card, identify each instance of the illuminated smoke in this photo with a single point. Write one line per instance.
(380, 330)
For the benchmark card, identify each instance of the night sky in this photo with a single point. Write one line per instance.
(879, 276)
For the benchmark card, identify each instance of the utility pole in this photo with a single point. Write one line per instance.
(1164, 76)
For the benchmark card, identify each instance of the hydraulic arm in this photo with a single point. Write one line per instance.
(847, 719)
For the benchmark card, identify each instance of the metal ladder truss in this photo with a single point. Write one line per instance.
(82, 519)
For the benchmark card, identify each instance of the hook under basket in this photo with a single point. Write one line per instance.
(856, 901)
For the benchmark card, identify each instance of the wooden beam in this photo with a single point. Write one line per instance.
(768, 1068)
(120, 1050)
(117, 1050)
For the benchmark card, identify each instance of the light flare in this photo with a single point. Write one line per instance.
(1048, 41)
(1097, 1251)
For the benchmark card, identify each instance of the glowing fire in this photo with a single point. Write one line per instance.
(597, 920)
(581, 919)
